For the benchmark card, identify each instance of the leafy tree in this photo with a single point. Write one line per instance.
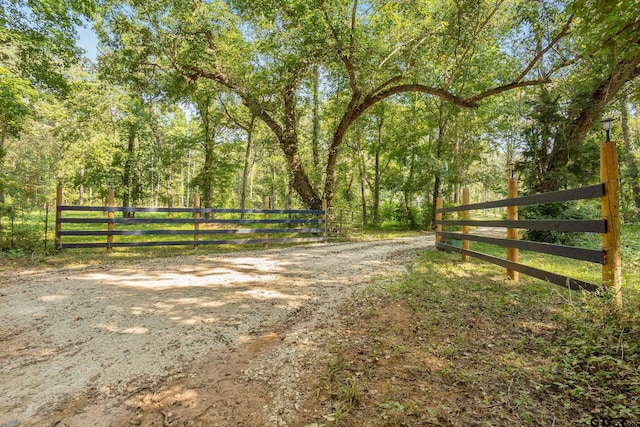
(263, 51)
(631, 144)
(42, 36)
(16, 97)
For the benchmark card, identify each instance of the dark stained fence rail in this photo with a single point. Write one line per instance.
(589, 226)
(296, 226)
(583, 193)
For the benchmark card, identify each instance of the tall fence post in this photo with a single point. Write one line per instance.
(266, 224)
(439, 205)
(196, 223)
(110, 216)
(512, 233)
(609, 175)
(58, 217)
(465, 228)
(325, 220)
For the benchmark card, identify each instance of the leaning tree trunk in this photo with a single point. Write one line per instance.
(377, 172)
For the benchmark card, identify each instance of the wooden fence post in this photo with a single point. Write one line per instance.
(325, 220)
(196, 217)
(439, 205)
(512, 233)
(266, 225)
(110, 216)
(465, 228)
(58, 217)
(612, 269)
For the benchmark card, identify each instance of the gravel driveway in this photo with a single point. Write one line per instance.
(109, 331)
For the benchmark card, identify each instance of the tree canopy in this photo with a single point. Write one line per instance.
(375, 106)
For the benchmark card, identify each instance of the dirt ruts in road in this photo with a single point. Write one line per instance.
(179, 341)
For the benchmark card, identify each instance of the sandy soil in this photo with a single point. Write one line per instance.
(193, 340)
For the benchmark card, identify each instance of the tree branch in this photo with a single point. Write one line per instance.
(479, 29)
(542, 52)
(475, 99)
(374, 97)
(195, 73)
(346, 59)
(231, 117)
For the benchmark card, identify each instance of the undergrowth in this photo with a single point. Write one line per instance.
(455, 344)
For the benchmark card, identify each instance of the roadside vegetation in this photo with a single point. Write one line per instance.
(454, 343)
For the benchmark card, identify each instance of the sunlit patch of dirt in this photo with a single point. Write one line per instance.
(200, 340)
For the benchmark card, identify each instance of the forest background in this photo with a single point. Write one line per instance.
(379, 107)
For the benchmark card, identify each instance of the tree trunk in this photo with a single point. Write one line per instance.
(363, 178)
(407, 191)
(634, 183)
(436, 194)
(363, 197)
(81, 195)
(127, 173)
(407, 207)
(169, 196)
(208, 168)
(3, 141)
(289, 197)
(439, 149)
(274, 186)
(315, 135)
(247, 165)
(288, 139)
(378, 172)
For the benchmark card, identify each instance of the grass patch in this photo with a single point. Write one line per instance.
(456, 344)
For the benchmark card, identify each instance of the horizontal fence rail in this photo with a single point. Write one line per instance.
(567, 225)
(583, 193)
(572, 252)
(557, 279)
(190, 210)
(513, 244)
(297, 226)
(183, 221)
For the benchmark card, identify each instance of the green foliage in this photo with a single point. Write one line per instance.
(476, 348)
(597, 359)
(16, 96)
(610, 25)
(42, 36)
(161, 62)
(549, 161)
(22, 231)
(558, 211)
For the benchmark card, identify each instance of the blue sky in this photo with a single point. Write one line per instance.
(88, 41)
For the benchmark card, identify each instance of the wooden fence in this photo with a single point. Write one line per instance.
(608, 226)
(292, 223)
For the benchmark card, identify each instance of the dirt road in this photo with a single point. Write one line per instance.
(192, 340)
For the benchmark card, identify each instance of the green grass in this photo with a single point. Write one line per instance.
(630, 248)
(478, 349)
